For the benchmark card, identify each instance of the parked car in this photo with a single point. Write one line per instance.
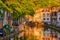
(8, 28)
(2, 32)
(15, 24)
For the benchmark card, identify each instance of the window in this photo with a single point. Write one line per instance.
(59, 18)
(46, 10)
(43, 15)
(54, 13)
(59, 14)
(45, 28)
(43, 18)
(48, 14)
(59, 10)
(42, 10)
(47, 18)
(59, 38)
(47, 38)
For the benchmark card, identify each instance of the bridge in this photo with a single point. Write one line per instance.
(54, 28)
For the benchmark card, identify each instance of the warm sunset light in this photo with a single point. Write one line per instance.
(36, 33)
(29, 19)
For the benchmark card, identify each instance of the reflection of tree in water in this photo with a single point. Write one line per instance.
(29, 28)
(33, 32)
(31, 24)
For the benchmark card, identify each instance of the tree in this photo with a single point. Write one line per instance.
(1, 13)
(31, 24)
(2, 5)
(28, 5)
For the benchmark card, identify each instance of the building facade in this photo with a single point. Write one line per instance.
(54, 15)
(46, 15)
(42, 15)
(54, 18)
(58, 18)
(38, 15)
(49, 16)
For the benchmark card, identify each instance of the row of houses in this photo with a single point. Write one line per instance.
(48, 15)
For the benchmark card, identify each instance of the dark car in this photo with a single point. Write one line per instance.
(2, 32)
(15, 24)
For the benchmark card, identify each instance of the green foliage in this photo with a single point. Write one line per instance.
(1, 13)
(27, 6)
(0, 6)
(12, 6)
(3, 0)
(32, 13)
(30, 4)
(22, 14)
(15, 14)
(8, 27)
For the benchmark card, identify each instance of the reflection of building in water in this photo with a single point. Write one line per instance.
(49, 34)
